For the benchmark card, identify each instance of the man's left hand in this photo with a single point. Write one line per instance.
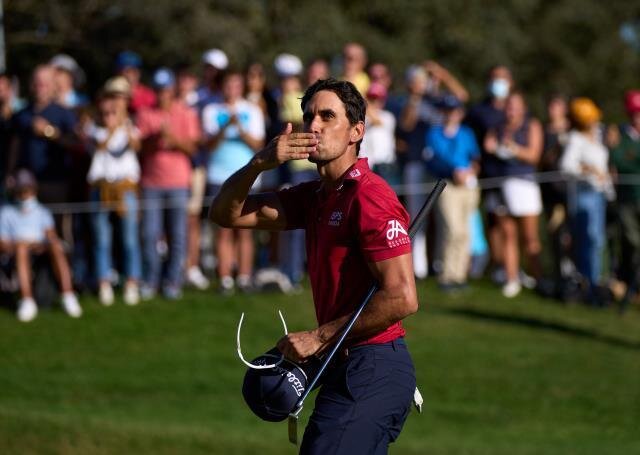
(299, 346)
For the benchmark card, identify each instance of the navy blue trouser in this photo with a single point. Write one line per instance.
(363, 402)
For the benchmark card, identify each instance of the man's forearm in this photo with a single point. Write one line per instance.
(229, 202)
(385, 309)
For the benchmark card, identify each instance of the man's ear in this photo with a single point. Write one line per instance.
(357, 132)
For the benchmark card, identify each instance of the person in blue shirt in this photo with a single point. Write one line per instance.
(453, 153)
(26, 231)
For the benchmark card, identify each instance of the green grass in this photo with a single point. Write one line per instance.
(499, 377)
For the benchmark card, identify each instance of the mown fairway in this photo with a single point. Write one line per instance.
(499, 377)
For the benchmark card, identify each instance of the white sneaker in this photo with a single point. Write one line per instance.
(147, 292)
(27, 310)
(106, 294)
(196, 278)
(511, 289)
(527, 281)
(71, 305)
(227, 285)
(131, 293)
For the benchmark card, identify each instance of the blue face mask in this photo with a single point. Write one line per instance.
(28, 204)
(499, 88)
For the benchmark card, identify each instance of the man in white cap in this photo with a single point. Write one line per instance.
(215, 62)
(68, 75)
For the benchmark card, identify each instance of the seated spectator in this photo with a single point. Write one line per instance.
(27, 229)
(114, 176)
(378, 144)
(170, 133)
(454, 157)
(586, 159)
(625, 159)
(517, 146)
(234, 132)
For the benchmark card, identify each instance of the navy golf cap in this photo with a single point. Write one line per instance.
(272, 393)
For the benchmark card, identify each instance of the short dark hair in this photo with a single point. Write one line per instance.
(354, 104)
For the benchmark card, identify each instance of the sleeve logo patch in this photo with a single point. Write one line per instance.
(396, 234)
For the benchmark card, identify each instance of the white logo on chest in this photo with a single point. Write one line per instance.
(355, 173)
(336, 218)
(395, 229)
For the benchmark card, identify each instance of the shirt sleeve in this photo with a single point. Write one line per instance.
(193, 131)
(256, 123)
(7, 226)
(210, 120)
(570, 159)
(143, 123)
(474, 150)
(47, 220)
(5, 230)
(382, 224)
(295, 202)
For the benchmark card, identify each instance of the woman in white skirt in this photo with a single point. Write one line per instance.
(518, 145)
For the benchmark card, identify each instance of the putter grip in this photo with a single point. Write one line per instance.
(415, 225)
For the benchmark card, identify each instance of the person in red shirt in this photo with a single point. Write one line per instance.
(356, 233)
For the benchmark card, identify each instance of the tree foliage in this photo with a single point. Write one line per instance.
(571, 46)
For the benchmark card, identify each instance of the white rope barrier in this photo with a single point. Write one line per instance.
(401, 190)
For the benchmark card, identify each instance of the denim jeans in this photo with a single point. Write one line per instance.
(415, 173)
(587, 208)
(162, 205)
(103, 232)
(292, 243)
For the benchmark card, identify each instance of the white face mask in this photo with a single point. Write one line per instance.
(28, 204)
(499, 88)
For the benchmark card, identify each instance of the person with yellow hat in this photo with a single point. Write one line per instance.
(585, 160)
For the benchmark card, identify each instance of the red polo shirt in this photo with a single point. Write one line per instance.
(359, 222)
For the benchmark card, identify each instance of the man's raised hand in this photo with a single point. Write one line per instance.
(286, 147)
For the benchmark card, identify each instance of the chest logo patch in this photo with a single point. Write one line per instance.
(355, 173)
(396, 234)
(335, 218)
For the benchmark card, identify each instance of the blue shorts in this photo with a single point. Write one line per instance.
(363, 402)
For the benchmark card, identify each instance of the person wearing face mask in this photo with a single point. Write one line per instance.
(483, 117)
(517, 147)
(27, 231)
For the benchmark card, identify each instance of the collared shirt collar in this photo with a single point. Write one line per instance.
(357, 170)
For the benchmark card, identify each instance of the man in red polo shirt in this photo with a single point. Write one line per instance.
(356, 233)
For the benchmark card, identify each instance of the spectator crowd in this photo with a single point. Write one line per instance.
(110, 191)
